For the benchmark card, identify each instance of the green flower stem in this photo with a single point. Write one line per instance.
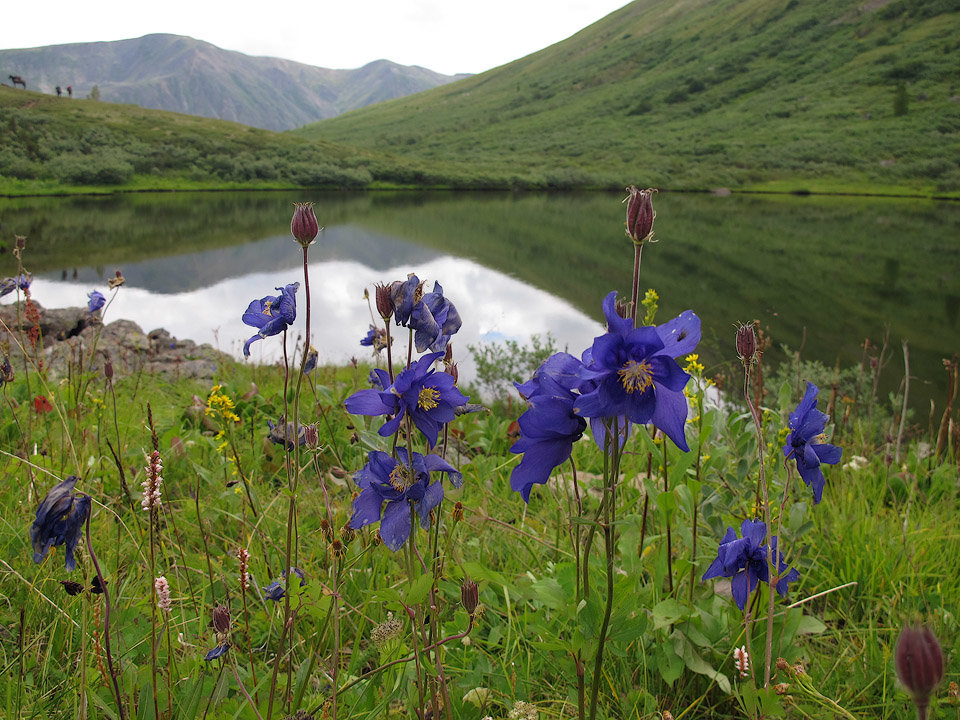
(771, 565)
(611, 473)
(106, 622)
(666, 488)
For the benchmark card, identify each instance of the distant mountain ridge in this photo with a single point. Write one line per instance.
(178, 73)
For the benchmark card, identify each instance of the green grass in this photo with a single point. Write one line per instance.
(887, 527)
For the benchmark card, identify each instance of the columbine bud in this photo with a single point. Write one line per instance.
(384, 301)
(304, 224)
(640, 214)
(919, 663)
(746, 344)
(470, 596)
(221, 619)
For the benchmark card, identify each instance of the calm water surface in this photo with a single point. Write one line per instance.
(817, 273)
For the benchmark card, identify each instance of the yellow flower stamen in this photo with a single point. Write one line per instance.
(399, 478)
(428, 398)
(636, 376)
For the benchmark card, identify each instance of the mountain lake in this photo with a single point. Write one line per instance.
(818, 274)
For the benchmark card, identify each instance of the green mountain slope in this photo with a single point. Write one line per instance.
(53, 145)
(774, 94)
(173, 72)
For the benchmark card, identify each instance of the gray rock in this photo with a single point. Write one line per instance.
(74, 340)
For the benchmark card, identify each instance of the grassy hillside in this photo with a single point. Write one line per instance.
(172, 72)
(51, 145)
(766, 94)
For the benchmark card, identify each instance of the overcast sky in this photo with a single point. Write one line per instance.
(448, 36)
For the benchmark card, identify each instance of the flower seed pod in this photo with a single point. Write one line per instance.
(746, 344)
(221, 619)
(919, 663)
(469, 596)
(640, 214)
(384, 301)
(304, 225)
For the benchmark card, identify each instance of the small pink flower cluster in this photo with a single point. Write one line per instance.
(244, 557)
(163, 593)
(742, 660)
(153, 481)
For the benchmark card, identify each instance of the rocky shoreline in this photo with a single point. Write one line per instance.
(74, 337)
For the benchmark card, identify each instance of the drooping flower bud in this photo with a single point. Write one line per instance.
(746, 344)
(640, 214)
(469, 596)
(221, 619)
(919, 663)
(304, 225)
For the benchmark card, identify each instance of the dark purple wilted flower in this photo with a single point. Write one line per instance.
(398, 482)
(636, 373)
(277, 589)
(807, 443)
(8, 285)
(744, 560)
(216, 652)
(272, 314)
(96, 301)
(429, 397)
(283, 434)
(549, 427)
(59, 521)
(311, 364)
(375, 338)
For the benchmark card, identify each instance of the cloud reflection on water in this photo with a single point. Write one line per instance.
(493, 306)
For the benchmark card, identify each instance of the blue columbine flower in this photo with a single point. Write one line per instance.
(272, 314)
(637, 374)
(429, 397)
(549, 427)
(434, 320)
(277, 589)
(59, 521)
(97, 301)
(744, 560)
(398, 482)
(431, 316)
(216, 652)
(807, 443)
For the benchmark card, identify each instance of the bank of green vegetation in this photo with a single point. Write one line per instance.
(835, 97)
